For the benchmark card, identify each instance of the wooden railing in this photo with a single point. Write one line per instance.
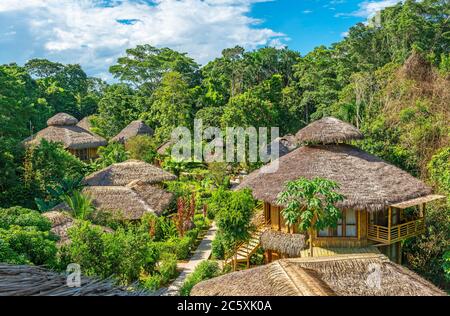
(389, 235)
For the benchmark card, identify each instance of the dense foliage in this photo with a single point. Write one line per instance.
(389, 77)
(25, 238)
(204, 271)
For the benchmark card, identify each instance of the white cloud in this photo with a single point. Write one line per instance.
(306, 11)
(368, 9)
(93, 35)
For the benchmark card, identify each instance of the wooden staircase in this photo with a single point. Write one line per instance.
(245, 250)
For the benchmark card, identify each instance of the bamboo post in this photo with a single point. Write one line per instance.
(389, 223)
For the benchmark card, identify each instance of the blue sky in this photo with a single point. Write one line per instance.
(94, 33)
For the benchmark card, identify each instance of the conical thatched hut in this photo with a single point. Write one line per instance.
(130, 189)
(122, 174)
(376, 192)
(23, 280)
(135, 128)
(351, 275)
(62, 128)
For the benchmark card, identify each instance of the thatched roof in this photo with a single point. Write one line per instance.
(62, 119)
(70, 135)
(24, 280)
(367, 182)
(328, 130)
(289, 244)
(129, 203)
(349, 275)
(85, 123)
(61, 222)
(162, 150)
(286, 144)
(121, 174)
(135, 128)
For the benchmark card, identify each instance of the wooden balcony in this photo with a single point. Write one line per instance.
(393, 234)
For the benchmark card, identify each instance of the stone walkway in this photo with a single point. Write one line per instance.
(203, 252)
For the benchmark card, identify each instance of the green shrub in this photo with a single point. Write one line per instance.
(123, 254)
(25, 237)
(141, 147)
(36, 246)
(192, 234)
(161, 227)
(152, 282)
(205, 270)
(23, 217)
(218, 247)
(7, 255)
(218, 200)
(201, 222)
(181, 247)
(168, 266)
(234, 219)
(48, 164)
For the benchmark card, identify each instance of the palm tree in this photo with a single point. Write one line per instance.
(310, 204)
(81, 205)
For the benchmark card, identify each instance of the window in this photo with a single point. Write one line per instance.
(346, 227)
(82, 154)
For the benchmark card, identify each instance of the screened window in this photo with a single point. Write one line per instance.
(346, 226)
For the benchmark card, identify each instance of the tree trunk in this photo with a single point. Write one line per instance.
(311, 233)
(311, 230)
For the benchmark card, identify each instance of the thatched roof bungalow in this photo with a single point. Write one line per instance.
(24, 280)
(62, 128)
(376, 192)
(349, 275)
(132, 188)
(133, 129)
(121, 174)
(129, 202)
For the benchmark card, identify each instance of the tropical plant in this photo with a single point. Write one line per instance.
(55, 195)
(310, 204)
(80, 204)
(110, 154)
(204, 271)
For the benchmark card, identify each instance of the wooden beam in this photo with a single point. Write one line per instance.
(389, 223)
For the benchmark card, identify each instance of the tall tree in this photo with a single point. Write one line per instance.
(144, 67)
(310, 204)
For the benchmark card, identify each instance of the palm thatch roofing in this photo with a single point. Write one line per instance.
(62, 119)
(85, 123)
(348, 275)
(162, 150)
(129, 203)
(61, 222)
(24, 280)
(289, 244)
(121, 174)
(286, 144)
(135, 128)
(366, 181)
(328, 130)
(62, 128)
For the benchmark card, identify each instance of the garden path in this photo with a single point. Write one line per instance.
(203, 252)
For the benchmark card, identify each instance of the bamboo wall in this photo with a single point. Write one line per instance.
(273, 215)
